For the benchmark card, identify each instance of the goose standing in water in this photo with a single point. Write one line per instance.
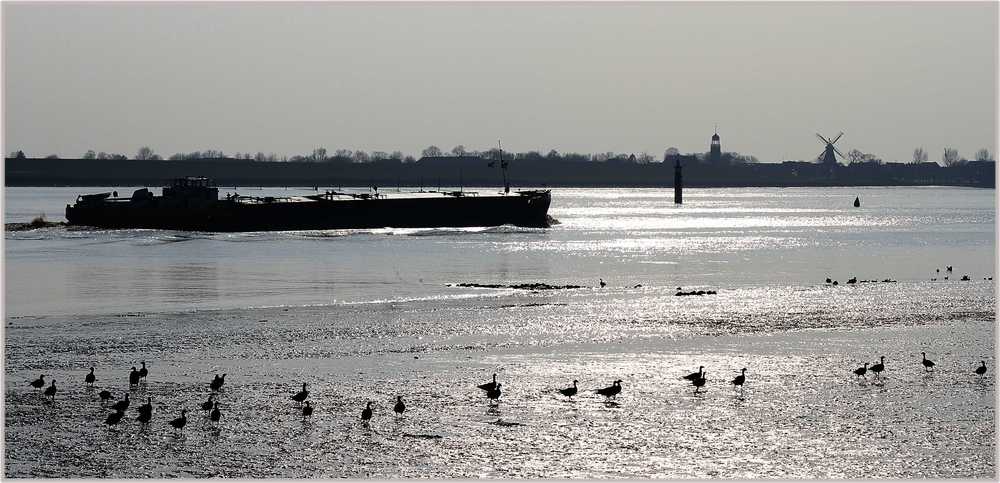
(981, 370)
(494, 394)
(489, 386)
(928, 364)
(694, 375)
(38, 383)
(611, 391)
(133, 378)
(105, 396)
(208, 405)
(400, 406)
(143, 372)
(114, 418)
(569, 391)
(861, 371)
(216, 414)
(178, 423)
(301, 395)
(700, 382)
(218, 382)
(122, 405)
(878, 368)
(740, 379)
(51, 390)
(90, 378)
(366, 413)
(307, 411)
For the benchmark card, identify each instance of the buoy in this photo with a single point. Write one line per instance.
(857, 202)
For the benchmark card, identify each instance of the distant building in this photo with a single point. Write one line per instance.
(715, 149)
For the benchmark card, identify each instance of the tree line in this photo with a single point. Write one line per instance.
(950, 156)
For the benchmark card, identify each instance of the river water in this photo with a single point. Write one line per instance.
(370, 314)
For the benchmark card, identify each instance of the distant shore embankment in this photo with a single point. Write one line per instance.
(474, 171)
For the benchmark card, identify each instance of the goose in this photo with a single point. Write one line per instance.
(861, 371)
(122, 405)
(133, 378)
(981, 370)
(400, 406)
(143, 372)
(928, 364)
(700, 382)
(307, 411)
(146, 408)
(366, 414)
(114, 418)
(828, 280)
(51, 390)
(207, 405)
(218, 382)
(601, 281)
(694, 375)
(178, 423)
(494, 394)
(301, 395)
(38, 383)
(105, 395)
(489, 386)
(740, 379)
(144, 417)
(612, 390)
(878, 368)
(90, 377)
(216, 414)
(569, 391)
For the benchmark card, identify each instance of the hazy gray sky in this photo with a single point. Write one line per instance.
(286, 78)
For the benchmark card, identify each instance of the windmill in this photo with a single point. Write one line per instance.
(827, 157)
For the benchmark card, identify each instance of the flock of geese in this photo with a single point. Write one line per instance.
(492, 390)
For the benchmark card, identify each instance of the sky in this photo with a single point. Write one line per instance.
(574, 77)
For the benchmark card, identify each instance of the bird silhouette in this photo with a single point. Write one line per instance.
(143, 372)
(122, 405)
(861, 371)
(878, 368)
(694, 375)
(216, 414)
(90, 377)
(208, 405)
(400, 406)
(145, 417)
(569, 391)
(307, 411)
(612, 390)
(105, 395)
(928, 364)
(366, 413)
(740, 379)
(489, 386)
(38, 383)
(218, 382)
(114, 418)
(178, 423)
(602, 283)
(700, 382)
(494, 394)
(146, 408)
(981, 370)
(51, 390)
(133, 378)
(301, 395)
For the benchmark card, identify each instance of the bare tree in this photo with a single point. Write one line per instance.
(919, 155)
(397, 155)
(379, 155)
(90, 154)
(318, 154)
(855, 156)
(361, 157)
(145, 153)
(950, 157)
(984, 155)
(431, 151)
(458, 150)
(671, 153)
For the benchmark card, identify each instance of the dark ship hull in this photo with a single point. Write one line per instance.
(195, 210)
